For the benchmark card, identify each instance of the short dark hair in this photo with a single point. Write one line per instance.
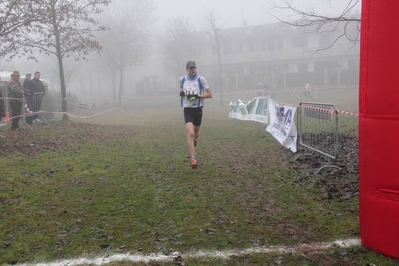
(37, 72)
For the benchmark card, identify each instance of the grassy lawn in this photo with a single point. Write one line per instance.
(122, 183)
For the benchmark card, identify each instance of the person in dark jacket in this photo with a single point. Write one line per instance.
(38, 91)
(15, 94)
(28, 97)
(2, 109)
(2, 112)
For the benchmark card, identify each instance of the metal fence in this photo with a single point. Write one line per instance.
(318, 131)
(32, 112)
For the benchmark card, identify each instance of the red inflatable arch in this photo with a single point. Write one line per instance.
(379, 127)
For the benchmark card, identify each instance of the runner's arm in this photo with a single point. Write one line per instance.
(207, 94)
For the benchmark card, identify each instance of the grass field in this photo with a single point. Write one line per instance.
(122, 183)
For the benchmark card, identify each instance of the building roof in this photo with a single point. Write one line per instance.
(267, 30)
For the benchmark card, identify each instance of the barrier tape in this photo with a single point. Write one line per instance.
(347, 113)
(301, 89)
(255, 91)
(321, 109)
(329, 111)
(324, 88)
(19, 99)
(27, 108)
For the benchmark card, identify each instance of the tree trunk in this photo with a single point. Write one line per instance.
(63, 87)
(113, 86)
(61, 68)
(220, 78)
(120, 87)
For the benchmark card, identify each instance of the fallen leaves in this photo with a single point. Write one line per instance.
(334, 183)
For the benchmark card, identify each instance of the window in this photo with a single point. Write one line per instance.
(270, 45)
(263, 45)
(280, 44)
(237, 47)
(300, 41)
(325, 39)
(254, 70)
(251, 47)
(303, 67)
(353, 64)
(320, 66)
(265, 70)
(227, 48)
(258, 46)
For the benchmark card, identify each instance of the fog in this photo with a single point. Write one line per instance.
(90, 83)
(237, 13)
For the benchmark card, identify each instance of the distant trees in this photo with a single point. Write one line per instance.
(217, 44)
(52, 69)
(128, 40)
(179, 44)
(63, 28)
(345, 25)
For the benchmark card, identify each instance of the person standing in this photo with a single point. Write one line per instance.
(15, 94)
(306, 90)
(29, 97)
(2, 112)
(193, 90)
(2, 109)
(38, 95)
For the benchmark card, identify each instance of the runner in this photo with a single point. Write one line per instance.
(193, 90)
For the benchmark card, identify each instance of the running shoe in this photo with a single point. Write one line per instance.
(193, 164)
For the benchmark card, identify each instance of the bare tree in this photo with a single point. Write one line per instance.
(15, 16)
(179, 44)
(65, 29)
(106, 61)
(217, 44)
(310, 21)
(128, 42)
(70, 70)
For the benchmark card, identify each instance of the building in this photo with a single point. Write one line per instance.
(283, 56)
(272, 56)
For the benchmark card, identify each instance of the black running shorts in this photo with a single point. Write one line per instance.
(193, 115)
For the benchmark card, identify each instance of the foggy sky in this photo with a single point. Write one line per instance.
(232, 13)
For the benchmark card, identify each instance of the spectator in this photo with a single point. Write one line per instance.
(2, 110)
(306, 90)
(38, 95)
(28, 97)
(15, 94)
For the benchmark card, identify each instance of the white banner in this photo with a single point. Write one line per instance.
(255, 110)
(282, 124)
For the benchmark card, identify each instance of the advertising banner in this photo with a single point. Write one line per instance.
(282, 124)
(255, 110)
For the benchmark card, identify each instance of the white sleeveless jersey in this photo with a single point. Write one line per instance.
(196, 86)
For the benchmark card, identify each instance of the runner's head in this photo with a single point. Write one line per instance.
(191, 67)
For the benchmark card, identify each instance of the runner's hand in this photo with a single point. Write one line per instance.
(192, 97)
